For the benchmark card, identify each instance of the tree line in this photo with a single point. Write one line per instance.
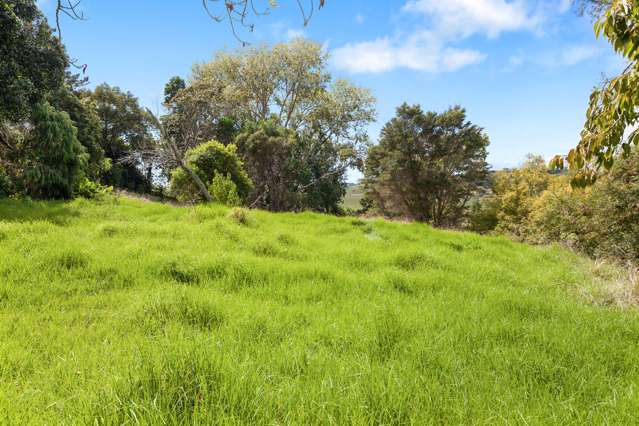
(269, 127)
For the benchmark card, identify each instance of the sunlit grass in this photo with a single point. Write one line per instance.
(132, 312)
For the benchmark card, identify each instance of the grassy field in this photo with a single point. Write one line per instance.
(134, 312)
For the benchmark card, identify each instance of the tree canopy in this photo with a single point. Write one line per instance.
(33, 61)
(426, 165)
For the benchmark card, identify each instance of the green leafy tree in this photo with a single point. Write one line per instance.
(32, 60)
(426, 166)
(513, 198)
(291, 171)
(125, 128)
(54, 161)
(207, 160)
(82, 111)
(613, 112)
(289, 84)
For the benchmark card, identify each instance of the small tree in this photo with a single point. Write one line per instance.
(515, 193)
(426, 165)
(224, 190)
(55, 160)
(124, 129)
(205, 161)
(292, 171)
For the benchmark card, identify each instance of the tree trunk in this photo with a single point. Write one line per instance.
(203, 189)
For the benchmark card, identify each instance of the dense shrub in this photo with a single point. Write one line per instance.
(207, 160)
(602, 221)
(507, 209)
(532, 205)
(224, 190)
(91, 190)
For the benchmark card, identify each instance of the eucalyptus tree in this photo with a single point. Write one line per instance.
(612, 119)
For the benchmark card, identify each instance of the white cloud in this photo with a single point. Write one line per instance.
(565, 56)
(360, 19)
(432, 46)
(572, 55)
(423, 51)
(467, 17)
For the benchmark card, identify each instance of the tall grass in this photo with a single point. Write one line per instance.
(135, 312)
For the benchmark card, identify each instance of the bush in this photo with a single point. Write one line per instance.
(292, 171)
(207, 160)
(92, 190)
(601, 221)
(224, 190)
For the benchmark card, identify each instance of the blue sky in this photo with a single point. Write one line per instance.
(523, 69)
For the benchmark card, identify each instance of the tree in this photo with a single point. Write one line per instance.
(125, 128)
(83, 112)
(33, 61)
(291, 171)
(426, 165)
(267, 151)
(289, 84)
(207, 161)
(54, 160)
(514, 194)
(613, 113)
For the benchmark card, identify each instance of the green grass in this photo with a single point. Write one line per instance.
(134, 312)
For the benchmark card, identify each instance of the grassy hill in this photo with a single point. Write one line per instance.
(137, 312)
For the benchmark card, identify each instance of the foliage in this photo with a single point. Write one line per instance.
(54, 160)
(601, 221)
(163, 315)
(207, 160)
(426, 165)
(613, 112)
(91, 190)
(172, 88)
(224, 190)
(514, 195)
(33, 61)
(289, 84)
(124, 130)
(533, 205)
(82, 111)
(291, 171)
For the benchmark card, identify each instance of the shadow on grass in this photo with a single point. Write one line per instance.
(56, 212)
